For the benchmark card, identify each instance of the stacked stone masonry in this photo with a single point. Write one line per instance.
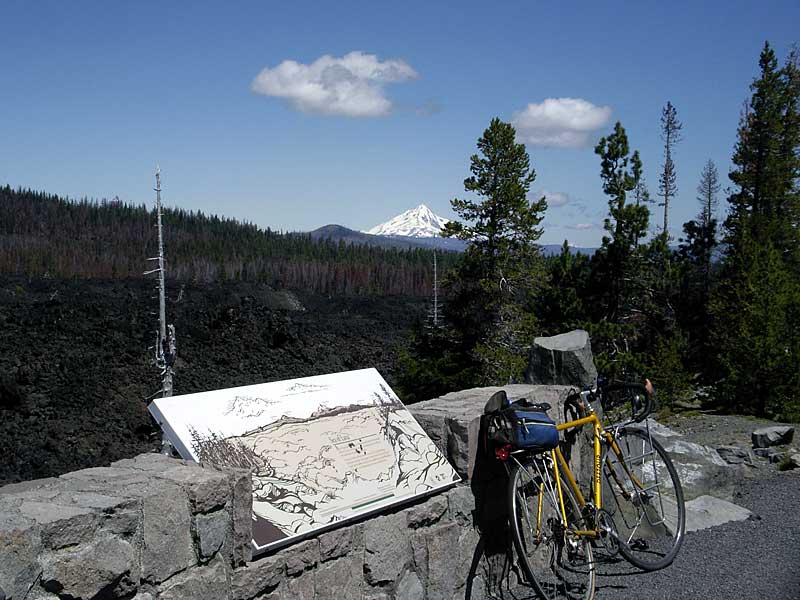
(155, 527)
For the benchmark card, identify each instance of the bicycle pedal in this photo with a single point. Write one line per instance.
(639, 544)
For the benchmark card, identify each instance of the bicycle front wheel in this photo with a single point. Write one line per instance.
(643, 494)
(555, 560)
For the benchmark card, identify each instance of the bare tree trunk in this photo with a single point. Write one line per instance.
(166, 344)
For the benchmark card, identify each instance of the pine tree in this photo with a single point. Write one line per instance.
(641, 195)
(766, 161)
(790, 158)
(703, 235)
(755, 332)
(501, 269)
(503, 227)
(616, 268)
(563, 303)
(617, 259)
(756, 307)
(707, 191)
(667, 181)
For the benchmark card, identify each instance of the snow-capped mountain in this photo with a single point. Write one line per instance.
(418, 222)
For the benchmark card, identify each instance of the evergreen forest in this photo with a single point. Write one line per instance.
(43, 235)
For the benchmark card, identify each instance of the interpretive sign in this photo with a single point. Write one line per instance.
(323, 450)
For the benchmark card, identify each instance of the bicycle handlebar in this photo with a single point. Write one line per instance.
(642, 400)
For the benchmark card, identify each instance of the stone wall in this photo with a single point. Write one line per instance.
(154, 527)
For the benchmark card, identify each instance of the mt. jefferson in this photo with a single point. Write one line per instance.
(418, 222)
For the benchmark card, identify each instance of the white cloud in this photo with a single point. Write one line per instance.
(560, 122)
(583, 226)
(350, 86)
(554, 199)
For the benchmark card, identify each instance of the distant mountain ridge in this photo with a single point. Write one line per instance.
(414, 228)
(336, 233)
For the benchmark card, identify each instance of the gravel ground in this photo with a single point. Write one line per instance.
(722, 430)
(758, 558)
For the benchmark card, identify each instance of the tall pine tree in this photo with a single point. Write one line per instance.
(615, 281)
(695, 258)
(501, 270)
(756, 306)
(668, 180)
(706, 235)
(626, 224)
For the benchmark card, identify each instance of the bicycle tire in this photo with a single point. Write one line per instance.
(648, 509)
(554, 563)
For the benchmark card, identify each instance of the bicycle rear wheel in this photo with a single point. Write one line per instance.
(556, 562)
(643, 494)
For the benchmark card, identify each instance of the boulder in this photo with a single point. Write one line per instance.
(777, 435)
(258, 578)
(409, 587)
(792, 461)
(387, 549)
(337, 579)
(763, 452)
(701, 469)
(20, 547)
(340, 542)
(707, 511)
(167, 545)
(208, 581)
(564, 359)
(736, 455)
(772, 455)
(777, 457)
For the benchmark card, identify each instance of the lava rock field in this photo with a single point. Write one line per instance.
(76, 374)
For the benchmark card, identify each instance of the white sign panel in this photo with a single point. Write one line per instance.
(322, 449)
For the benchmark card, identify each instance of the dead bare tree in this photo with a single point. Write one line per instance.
(166, 345)
(436, 309)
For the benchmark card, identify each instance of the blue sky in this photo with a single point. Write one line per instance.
(94, 94)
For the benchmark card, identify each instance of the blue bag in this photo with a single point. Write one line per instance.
(520, 424)
(531, 429)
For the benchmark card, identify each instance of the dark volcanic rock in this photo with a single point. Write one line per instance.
(74, 360)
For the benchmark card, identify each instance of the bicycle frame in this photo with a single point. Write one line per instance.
(598, 433)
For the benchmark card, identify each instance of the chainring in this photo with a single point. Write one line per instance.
(608, 532)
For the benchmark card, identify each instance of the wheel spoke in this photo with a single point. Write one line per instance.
(647, 509)
(556, 562)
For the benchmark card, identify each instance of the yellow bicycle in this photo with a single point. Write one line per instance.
(636, 507)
